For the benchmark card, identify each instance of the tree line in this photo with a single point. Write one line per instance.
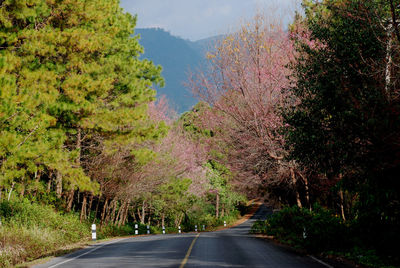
(311, 114)
(80, 125)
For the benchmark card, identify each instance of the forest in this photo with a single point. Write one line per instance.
(305, 117)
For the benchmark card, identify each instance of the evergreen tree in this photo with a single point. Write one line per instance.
(69, 71)
(345, 121)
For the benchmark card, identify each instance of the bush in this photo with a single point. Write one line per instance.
(110, 230)
(317, 231)
(325, 231)
(259, 227)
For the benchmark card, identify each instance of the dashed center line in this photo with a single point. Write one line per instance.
(189, 251)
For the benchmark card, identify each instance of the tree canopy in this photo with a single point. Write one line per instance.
(70, 72)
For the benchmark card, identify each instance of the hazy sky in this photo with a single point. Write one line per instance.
(197, 19)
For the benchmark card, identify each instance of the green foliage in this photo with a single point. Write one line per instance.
(344, 118)
(144, 156)
(259, 227)
(202, 212)
(368, 257)
(111, 230)
(215, 176)
(325, 233)
(174, 194)
(69, 70)
(329, 128)
(323, 230)
(191, 122)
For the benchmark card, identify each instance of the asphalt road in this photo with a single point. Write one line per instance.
(232, 247)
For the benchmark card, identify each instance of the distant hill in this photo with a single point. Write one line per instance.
(177, 56)
(205, 45)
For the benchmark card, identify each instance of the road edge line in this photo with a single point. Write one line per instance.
(83, 254)
(183, 263)
(321, 262)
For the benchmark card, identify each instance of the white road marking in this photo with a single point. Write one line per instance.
(96, 248)
(321, 262)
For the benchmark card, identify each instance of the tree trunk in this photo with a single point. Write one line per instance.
(139, 215)
(143, 212)
(294, 182)
(70, 199)
(134, 215)
(37, 180)
(122, 216)
(342, 204)
(110, 208)
(23, 190)
(79, 145)
(108, 212)
(162, 219)
(307, 190)
(149, 217)
(103, 213)
(83, 210)
(124, 221)
(223, 210)
(389, 61)
(9, 194)
(48, 186)
(180, 218)
(176, 220)
(307, 193)
(217, 206)
(90, 205)
(119, 215)
(97, 208)
(58, 184)
(112, 219)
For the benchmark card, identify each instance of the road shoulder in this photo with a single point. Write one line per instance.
(67, 251)
(328, 261)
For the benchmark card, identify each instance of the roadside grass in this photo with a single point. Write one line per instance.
(30, 231)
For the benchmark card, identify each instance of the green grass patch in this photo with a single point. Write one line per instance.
(30, 231)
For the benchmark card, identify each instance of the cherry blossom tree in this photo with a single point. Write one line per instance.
(246, 86)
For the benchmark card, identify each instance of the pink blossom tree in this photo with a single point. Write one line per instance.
(246, 86)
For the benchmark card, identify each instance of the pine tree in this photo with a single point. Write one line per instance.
(70, 70)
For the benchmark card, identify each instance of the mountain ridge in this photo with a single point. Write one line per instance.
(177, 56)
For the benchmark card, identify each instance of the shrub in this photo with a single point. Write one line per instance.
(316, 230)
(259, 227)
(114, 230)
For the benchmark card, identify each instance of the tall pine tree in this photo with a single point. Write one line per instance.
(70, 70)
